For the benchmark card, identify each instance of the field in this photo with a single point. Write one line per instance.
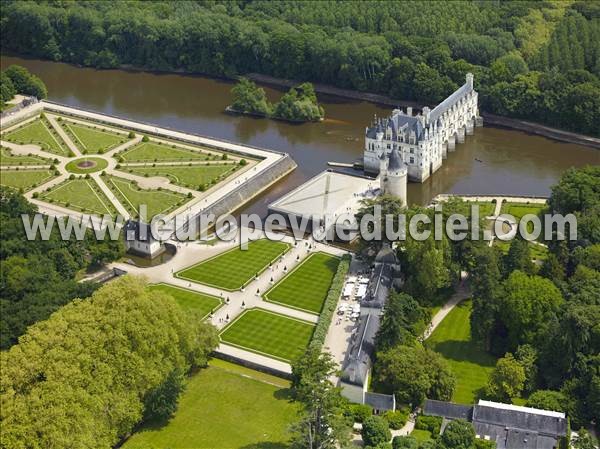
(24, 179)
(7, 158)
(151, 151)
(306, 287)
(421, 435)
(269, 334)
(188, 299)
(131, 197)
(90, 140)
(227, 407)
(233, 269)
(80, 194)
(469, 363)
(186, 176)
(518, 210)
(38, 132)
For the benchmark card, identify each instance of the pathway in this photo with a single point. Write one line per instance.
(463, 292)
(110, 195)
(63, 135)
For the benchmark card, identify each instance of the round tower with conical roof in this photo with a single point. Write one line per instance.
(395, 177)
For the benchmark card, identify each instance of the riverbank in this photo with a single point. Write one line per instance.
(231, 110)
(489, 119)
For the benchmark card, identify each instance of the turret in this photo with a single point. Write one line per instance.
(396, 177)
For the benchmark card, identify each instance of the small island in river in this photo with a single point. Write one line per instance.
(298, 105)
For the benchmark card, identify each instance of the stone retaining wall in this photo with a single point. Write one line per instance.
(252, 365)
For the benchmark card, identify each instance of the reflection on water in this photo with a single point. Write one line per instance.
(146, 262)
(512, 162)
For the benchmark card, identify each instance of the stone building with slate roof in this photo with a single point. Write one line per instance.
(509, 426)
(423, 140)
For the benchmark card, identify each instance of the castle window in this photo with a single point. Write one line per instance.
(412, 160)
(412, 151)
(388, 146)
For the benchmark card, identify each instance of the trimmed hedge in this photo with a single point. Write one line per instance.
(431, 423)
(318, 338)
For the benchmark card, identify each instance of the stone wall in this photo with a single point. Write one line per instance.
(252, 365)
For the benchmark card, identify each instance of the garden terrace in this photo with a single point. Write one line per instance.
(189, 300)
(270, 334)
(80, 194)
(92, 139)
(161, 152)
(131, 196)
(191, 176)
(25, 179)
(38, 132)
(8, 158)
(233, 269)
(306, 286)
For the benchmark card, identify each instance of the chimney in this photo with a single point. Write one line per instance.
(470, 80)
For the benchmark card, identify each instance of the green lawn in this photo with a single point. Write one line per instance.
(152, 151)
(80, 194)
(234, 268)
(225, 407)
(485, 208)
(91, 140)
(189, 300)
(24, 179)
(38, 132)
(270, 334)
(131, 197)
(75, 166)
(470, 364)
(306, 287)
(7, 158)
(186, 176)
(421, 435)
(518, 210)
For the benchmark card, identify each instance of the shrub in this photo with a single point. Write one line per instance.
(35, 195)
(56, 173)
(87, 176)
(375, 430)
(71, 176)
(405, 442)
(431, 423)
(396, 419)
(358, 412)
(145, 139)
(131, 135)
(189, 195)
(243, 162)
(333, 295)
(224, 157)
(103, 173)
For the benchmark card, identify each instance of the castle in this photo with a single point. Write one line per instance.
(422, 140)
(393, 175)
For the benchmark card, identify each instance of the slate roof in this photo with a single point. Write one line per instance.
(362, 348)
(140, 231)
(448, 409)
(395, 160)
(380, 401)
(379, 286)
(397, 121)
(449, 102)
(510, 426)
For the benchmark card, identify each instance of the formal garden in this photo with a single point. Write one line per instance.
(161, 174)
(306, 286)
(80, 194)
(92, 139)
(233, 269)
(270, 334)
(189, 300)
(25, 179)
(38, 132)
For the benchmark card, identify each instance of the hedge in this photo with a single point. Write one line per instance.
(318, 338)
(431, 423)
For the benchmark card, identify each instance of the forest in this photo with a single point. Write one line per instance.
(538, 61)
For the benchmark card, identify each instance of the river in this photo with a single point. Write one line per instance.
(492, 161)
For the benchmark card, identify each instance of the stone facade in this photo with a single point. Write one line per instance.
(423, 140)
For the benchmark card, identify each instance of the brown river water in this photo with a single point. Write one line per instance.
(492, 161)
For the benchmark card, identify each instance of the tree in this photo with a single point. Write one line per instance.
(7, 88)
(519, 257)
(527, 356)
(161, 403)
(375, 431)
(405, 442)
(529, 307)
(88, 368)
(459, 434)
(403, 321)
(547, 400)
(25, 82)
(506, 380)
(584, 440)
(249, 98)
(322, 424)
(412, 374)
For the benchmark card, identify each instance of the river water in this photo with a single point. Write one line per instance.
(492, 161)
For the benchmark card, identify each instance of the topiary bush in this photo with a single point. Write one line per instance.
(396, 419)
(431, 423)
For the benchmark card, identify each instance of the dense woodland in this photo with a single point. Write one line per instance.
(540, 320)
(37, 277)
(533, 60)
(17, 80)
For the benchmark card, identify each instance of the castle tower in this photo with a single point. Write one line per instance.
(396, 177)
(382, 170)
